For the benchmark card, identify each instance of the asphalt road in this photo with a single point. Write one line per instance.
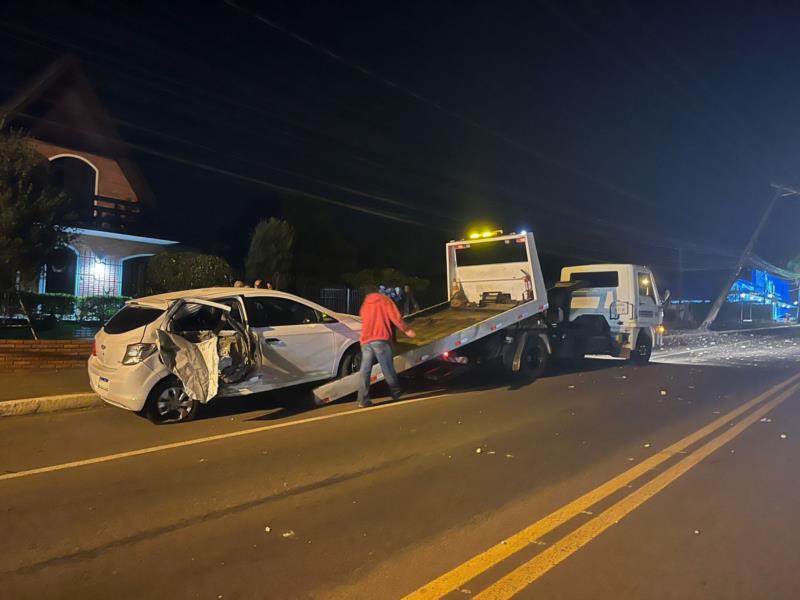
(675, 480)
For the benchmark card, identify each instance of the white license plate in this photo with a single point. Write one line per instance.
(102, 383)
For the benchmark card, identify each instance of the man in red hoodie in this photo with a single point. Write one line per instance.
(378, 314)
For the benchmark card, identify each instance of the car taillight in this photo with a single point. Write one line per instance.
(94, 348)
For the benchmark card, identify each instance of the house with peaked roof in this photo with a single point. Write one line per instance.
(68, 125)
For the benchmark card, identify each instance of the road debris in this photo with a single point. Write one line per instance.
(663, 392)
(478, 450)
(765, 420)
(509, 455)
(784, 436)
(267, 528)
(288, 534)
(697, 532)
(647, 445)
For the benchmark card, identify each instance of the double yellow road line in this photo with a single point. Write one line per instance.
(513, 582)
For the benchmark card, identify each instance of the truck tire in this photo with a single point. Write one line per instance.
(533, 362)
(640, 355)
(169, 403)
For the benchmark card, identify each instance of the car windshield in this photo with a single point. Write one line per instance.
(132, 317)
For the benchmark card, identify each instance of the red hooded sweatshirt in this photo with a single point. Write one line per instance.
(378, 314)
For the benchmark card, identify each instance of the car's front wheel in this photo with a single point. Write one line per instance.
(168, 402)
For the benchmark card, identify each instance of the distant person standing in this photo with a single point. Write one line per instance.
(410, 304)
(238, 283)
(258, 284)
(378, 315)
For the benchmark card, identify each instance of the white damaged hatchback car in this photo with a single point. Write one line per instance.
(164, 355)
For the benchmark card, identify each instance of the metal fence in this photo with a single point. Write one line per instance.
(343, 300)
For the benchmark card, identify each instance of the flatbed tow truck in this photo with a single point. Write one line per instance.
(495, 313)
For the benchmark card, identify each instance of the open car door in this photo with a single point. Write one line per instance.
(204, 343)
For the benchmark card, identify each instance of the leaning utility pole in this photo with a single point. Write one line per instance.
(780, 192)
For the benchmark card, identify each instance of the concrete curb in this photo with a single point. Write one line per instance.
(42, 404)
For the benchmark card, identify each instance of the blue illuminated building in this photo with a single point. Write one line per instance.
(761, 289)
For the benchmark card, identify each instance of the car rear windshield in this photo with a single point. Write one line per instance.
(132, 317)
(491, 253)
(597, 279)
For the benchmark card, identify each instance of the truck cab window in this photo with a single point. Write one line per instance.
(646, 286)
(596, 279)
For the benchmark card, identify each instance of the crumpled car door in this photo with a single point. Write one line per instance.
(188, 344)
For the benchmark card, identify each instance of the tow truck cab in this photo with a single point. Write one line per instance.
(610, 309)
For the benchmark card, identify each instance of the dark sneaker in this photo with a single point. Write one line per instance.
(365, 404)
(396, 396)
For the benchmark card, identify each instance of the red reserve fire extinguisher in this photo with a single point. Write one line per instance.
(528, 288)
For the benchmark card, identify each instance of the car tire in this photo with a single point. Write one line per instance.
(169, 403)
(533, 363)
(351, 361)
(640, 355)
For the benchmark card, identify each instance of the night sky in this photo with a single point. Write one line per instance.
(614, 130)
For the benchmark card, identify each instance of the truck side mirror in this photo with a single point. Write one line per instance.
(666, 297)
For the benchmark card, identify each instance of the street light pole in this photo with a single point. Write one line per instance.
(781, 191)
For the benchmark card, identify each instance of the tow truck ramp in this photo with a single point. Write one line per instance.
(493, 322)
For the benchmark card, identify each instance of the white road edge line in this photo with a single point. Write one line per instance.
(211, 438)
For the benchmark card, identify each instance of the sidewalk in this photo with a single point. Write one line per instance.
(25, 392)
(677, 333)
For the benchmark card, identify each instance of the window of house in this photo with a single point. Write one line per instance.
(78, 180)
(60, 272)
(265, 311)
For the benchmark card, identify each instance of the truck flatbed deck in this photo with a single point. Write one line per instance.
(439, 329)
(440, 321)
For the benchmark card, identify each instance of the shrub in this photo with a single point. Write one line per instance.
(45, 305)
(173, 271)
(99, 308)
(57, 305)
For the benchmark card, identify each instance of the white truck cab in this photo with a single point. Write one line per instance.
(609, 309)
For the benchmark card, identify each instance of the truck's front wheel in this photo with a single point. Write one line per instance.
(640, 355)
(533, 361)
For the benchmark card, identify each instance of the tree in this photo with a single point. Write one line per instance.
(322, 254)
(270, 253)
(34, 213)
(173, 271)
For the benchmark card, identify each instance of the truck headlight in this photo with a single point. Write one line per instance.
(136, 353)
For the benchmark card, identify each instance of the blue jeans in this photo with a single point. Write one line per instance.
(382, 352)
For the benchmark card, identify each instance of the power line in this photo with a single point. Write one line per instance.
(433, 104)
(248, 178)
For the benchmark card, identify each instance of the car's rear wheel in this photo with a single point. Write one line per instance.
(351, 361)
(168, 402)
